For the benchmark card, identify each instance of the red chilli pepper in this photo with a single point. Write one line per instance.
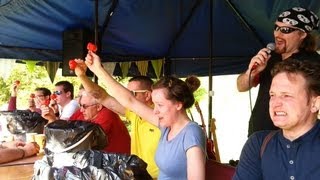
(92, 47)
(32, 95)
(72, 64)
(53, 96)
(46, 102)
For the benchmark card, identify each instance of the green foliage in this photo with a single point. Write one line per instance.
(200, 94)
(4, 95)
(30, 78)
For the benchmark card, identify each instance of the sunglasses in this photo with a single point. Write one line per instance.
(84, 106)
(284, 29)
(134, 92)
(57, 92)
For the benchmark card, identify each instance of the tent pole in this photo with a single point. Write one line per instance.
(166, 66)
(210, 67)
(96, 32)
(96, 19)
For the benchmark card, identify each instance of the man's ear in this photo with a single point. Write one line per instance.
(304, 35)
(148, 95)
(99, 107)
(315, 104)
(68, 94)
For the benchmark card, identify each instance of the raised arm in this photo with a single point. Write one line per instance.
(97, 91)
(257, 64)
(12, 105)
(243, 82)
(120, 93)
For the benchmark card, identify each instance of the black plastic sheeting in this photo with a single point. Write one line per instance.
(61, 135)
(24, 121)
(92, 165)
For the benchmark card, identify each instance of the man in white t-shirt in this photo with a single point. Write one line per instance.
(66, 104)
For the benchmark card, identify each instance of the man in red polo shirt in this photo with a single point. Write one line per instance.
(117, 134)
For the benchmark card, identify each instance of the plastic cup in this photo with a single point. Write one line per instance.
(40, 139)
(30, 137)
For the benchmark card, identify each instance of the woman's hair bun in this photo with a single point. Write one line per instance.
(193, 82)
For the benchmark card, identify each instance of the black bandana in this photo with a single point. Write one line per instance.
(300, 18)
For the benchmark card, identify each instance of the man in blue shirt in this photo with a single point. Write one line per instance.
(293, 151)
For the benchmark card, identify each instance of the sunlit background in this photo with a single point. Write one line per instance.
(230, 108)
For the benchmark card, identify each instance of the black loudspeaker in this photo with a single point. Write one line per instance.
(75, 46)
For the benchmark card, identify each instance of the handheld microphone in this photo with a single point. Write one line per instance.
(271, 47)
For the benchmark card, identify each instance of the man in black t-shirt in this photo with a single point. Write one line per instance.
(293, 39)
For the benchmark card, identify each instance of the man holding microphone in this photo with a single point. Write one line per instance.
(293, 39)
